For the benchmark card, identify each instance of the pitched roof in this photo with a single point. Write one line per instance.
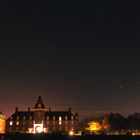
(49, 114)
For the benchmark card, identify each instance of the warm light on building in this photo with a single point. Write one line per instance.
(71, 133)
(41, 120)
(94, 126)
(2, 123)
(11, 123)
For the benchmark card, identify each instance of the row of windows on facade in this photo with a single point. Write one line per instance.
(48, 118)
(52, 129)
(31, 123)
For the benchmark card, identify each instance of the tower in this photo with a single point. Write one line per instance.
(39, 115)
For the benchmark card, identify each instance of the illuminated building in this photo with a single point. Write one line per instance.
(41, 120)
(2, 123)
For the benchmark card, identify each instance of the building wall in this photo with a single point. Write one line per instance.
(52, 125)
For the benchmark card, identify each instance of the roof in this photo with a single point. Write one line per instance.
(39, 104)
(49, 114)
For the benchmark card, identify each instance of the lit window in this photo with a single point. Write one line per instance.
(60, 118)
(66, 118)
(11, 123)
(72, 118)
(17, 123)
(60, 123)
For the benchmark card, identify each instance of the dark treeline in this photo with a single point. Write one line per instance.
(115, 121)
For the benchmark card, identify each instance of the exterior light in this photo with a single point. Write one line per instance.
(71, 133)
(39, 129)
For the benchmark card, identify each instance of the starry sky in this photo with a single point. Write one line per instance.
(76, 53)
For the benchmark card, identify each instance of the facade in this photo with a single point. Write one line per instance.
(2, 123)
(39, 120)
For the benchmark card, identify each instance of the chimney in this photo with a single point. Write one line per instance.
(28, 108)
(49, 109)
(16, 109)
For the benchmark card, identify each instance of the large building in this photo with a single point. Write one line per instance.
(42, 120)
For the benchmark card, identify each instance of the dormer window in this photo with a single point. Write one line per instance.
(39, 105)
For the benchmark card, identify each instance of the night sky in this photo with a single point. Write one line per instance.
(76, 53)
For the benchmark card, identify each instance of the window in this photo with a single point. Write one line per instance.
(11, 123)
(17, 123)
(60, 118)
(39, 105)
(24, 118)
(66, 128)
(60, 123)
(48, 118)
(72, 118)
(53, 118)
(66, 122)
(30, 118)
(66, 118)
(17, 117)
(72, 123)
(39, 114)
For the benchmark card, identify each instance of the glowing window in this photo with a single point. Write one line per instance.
(72, 118)
(60, 118)
(66, 118)
(17, 123)
(11, 123)
(39, 105)
(60, 123)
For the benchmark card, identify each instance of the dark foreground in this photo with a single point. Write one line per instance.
(62, 137)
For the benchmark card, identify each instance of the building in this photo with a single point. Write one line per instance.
(42, 120)
(2, 123)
